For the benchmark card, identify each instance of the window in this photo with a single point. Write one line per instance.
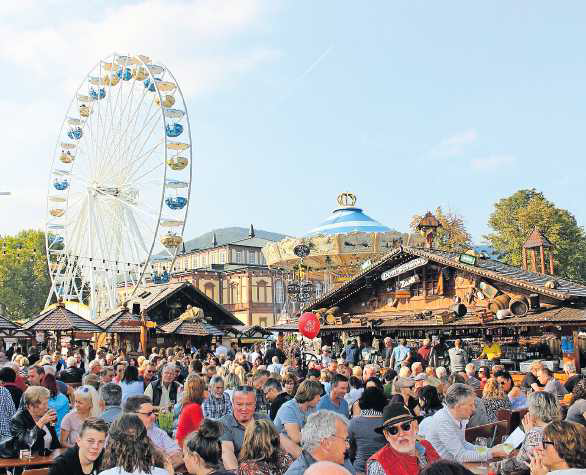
(214, 259)
(204, 260)
(279, 294)
(252, 257)
(238, 258)
(262, 259)
(209, 290)
(261, 291)
(222, 257)
(262, 321)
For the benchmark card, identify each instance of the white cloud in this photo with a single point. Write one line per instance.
(455, 144)
(492, 162)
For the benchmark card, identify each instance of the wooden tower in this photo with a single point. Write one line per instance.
(537, 241)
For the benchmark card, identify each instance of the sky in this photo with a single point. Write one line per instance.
(408, 104)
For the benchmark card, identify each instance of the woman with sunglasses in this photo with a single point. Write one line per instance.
(543, 409)
(494, 398)
(404, 454)
(563, 452)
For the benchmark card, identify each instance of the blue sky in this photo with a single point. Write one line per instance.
(410, 105)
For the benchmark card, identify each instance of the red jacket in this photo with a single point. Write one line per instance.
(189, 421)
(395, 463)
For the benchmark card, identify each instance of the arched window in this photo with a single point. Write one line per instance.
(209, 290)
(261, 291)
(279, 292)
(234, 297)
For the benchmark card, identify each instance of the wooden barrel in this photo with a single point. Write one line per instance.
(459, 309)
(519, 306)
(500, 302)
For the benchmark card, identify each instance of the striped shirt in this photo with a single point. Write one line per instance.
(446, 435)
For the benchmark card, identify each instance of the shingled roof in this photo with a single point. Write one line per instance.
(120, 320)
(536, 239)
(61, 319)
(191, 328)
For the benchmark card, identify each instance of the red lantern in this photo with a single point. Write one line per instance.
(309, 325)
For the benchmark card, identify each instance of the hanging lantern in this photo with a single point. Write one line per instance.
(309, 325)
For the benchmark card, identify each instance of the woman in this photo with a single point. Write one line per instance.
(373, 382)
(363, 439)
(261, 451)
(131, 384)
(543, 409)
(190, 413)
(483, 375)
(430, 403)
(231, 382)
(564, 450)
(290, 384)
(578, 408)
(86, 405)
(32, 426)
(406, 395)
(133, 362)
(129, 451)
(494, 398)
(57, 401)
(202, 452)
(119, 369)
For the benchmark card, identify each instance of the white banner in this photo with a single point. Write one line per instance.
(413, 264)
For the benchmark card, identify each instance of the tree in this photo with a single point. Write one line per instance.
(514, 218)
(452, 235)
(24, 276)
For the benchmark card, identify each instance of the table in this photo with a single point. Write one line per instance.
(35, 461)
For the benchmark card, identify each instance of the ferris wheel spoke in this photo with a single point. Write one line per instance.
(131, 146)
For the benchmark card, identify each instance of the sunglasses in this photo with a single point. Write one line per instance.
(148, 414)
(546, 442)
(394, 430)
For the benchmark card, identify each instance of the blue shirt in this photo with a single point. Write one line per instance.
(400, 353)
(326, 403)
(131, 389)
(291, 413)
(61, 405)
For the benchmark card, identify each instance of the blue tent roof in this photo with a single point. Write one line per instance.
(347, 220)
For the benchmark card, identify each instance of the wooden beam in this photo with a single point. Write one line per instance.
(533, 260)
(576, 351)
(551, 262)
(542, 257)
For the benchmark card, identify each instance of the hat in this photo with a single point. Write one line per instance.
(421, 377)
(405, 383)
(394, 413)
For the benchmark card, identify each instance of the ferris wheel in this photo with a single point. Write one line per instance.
(119, 184)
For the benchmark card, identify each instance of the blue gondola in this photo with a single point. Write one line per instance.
(61, 185)
(75, 133)
(127, 74)
(97, 95)
(150, 85)
(178, 202)
(174, 130)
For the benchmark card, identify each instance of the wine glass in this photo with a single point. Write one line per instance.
(482, 447)
(30, 441)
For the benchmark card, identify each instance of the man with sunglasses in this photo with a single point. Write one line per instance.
(446, 429)
(403, 455)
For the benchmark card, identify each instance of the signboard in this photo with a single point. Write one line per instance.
(293, 289)
(467, 259)
(413, 264)
(414, 279)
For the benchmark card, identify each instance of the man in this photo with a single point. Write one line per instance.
(403, 455)
(275, 395)
(260, 378)
(416, 368)
(142, 406)
(424, 351)
(106, 375)
(236, 423)
(232, 351)
(446, 430)
(333, 366)
(292, 415)
(550, 384)
(387, 351)
(164, 391)
(351, 353)
(86, 456)
(471, 379)
(323, 438)
(217, 404)
(458, 357)
(573, 377)
(326, 356)
(369, 371)
(491, 351)
(326, 468)
(110, 400)
(334, 401)
(401, 353)
(71, 374)
(272, 352)
(275, 367)
(95, 367)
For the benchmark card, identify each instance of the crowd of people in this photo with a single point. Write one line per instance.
(261, 410)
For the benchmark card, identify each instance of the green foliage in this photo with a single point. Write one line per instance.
(24, 276)
(452, 235)
(514, 218)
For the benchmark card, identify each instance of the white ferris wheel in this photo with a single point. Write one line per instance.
(120, 182)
